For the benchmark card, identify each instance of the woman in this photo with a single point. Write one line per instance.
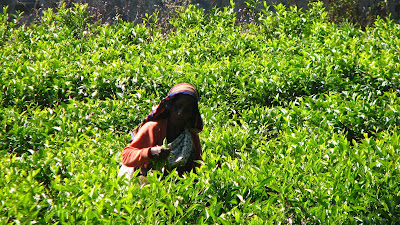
(176, 119)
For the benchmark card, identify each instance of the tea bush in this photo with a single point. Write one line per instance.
(301, 119)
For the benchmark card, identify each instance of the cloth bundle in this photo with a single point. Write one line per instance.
(181, 149)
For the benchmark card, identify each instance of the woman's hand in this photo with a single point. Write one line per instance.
(159, 152)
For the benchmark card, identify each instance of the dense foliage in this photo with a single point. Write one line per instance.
(301, 118)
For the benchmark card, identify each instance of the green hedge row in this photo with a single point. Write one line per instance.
(301, 119)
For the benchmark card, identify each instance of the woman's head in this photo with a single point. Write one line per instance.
(182, 110)
(183, 107)
(182, 101)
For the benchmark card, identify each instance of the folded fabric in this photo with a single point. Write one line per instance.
(182, 149)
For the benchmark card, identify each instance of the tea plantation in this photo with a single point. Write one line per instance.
(301, 118)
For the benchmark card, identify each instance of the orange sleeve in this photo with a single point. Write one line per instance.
(136, 154)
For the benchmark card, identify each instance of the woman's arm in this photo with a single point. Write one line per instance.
(198, 151)
(138, 153)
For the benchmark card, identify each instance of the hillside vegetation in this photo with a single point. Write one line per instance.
(301, 118)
